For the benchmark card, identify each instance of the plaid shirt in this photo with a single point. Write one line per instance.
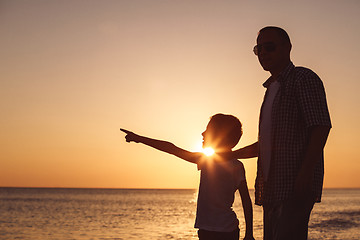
(299, 104)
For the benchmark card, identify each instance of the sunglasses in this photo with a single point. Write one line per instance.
(269, 47)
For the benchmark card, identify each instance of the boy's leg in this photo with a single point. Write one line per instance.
(210, 235)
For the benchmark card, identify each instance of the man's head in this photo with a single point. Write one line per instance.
(223, 132)
(273, 49)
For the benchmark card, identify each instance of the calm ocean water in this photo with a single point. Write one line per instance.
(33, 213)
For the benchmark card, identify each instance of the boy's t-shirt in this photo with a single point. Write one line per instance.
(219, 181)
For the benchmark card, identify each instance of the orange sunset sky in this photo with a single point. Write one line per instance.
(74, 72)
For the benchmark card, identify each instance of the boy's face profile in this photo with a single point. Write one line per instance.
(211, 137)
(207, 136)
(222, 133)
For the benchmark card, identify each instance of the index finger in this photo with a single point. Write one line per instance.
(125, 131)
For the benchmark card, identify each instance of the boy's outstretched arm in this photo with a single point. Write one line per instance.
(163, 146)
(248, 211)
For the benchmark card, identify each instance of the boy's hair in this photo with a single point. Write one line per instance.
(230, 128)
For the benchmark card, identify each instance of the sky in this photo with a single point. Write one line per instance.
(74, 72)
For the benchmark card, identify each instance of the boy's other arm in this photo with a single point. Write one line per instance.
(248, 211)
(163, 146)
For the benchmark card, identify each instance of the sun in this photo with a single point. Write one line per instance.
(208, 151)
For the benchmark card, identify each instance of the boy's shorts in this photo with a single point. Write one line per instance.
(210, 235)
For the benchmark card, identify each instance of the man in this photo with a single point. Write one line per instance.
(293, 129)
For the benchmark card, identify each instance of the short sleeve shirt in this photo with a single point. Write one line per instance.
(299, 104)
(219, 181)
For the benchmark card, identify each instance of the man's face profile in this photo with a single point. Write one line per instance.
(272, 52)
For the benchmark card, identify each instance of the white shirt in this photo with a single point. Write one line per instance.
(265, 128)
(218, 184)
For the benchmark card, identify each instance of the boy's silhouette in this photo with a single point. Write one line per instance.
(219, 179)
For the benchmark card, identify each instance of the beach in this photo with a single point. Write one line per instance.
(70, 213)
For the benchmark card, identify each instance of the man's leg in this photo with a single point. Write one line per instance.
(287, 220)
(294, 220)
(271, 214)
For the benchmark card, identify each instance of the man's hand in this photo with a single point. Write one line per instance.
(314, 151)
(130, 136)
(303, 184)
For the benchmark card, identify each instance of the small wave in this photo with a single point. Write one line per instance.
(335, 223)
(339, 220)
(350, 213)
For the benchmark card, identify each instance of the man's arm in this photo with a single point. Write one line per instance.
(163, 146)
(245, 152)
(248, 211)
(316, 144)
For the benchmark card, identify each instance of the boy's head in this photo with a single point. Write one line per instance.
(223, 132)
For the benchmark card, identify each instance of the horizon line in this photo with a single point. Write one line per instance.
(139, 188)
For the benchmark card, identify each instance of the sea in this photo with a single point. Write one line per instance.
(68, 213)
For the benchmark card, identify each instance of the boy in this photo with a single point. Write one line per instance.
(219, 179)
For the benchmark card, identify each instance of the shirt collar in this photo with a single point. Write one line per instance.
(282, 77)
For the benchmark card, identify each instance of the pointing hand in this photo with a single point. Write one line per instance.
(130, 136)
